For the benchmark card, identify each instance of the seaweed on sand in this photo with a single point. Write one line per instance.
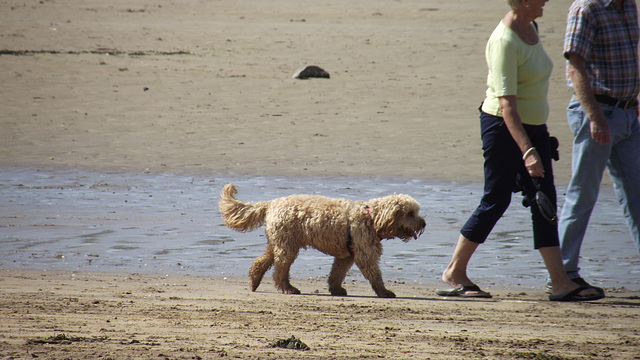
(291, 343)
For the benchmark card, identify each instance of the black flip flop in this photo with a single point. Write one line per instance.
(462, 292)
(574, 297)
(582, 282)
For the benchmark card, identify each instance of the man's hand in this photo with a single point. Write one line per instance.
(600, 131)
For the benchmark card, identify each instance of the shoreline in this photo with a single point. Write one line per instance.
(90, 220)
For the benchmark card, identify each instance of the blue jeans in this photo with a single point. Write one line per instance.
(621, 156)
(503, 167)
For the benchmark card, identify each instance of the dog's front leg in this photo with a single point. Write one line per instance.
(371, 271)
(338, 273)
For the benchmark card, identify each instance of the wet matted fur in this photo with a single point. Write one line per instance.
(350, 231)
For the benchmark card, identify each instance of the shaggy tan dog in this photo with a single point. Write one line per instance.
(351, 231)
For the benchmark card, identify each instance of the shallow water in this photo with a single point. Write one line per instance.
(169, 224)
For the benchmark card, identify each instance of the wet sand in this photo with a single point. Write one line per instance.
(120, 121)
(168, 224)
(128, 266)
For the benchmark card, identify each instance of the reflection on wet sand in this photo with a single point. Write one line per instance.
(66, 220)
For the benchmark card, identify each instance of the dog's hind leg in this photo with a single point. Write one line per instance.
(260, 266)
(284, 258)
(337, 275)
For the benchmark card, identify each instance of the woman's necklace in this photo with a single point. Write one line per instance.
(526, 34)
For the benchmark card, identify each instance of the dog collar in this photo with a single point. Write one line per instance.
(369, 212)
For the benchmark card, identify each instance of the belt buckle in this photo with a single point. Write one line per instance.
(624, 105)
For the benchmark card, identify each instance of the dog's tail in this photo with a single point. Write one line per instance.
(240, 216)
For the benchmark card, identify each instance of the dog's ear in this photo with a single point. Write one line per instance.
(386, 214)
(384, 220)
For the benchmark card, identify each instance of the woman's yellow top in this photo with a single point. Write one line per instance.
(520, 69)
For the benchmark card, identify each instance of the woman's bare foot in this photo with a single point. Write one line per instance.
(459, 280)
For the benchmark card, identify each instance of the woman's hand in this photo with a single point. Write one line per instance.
(533, 163)
(530, 156)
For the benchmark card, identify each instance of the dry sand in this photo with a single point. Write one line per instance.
(119, 316)
(205, 87)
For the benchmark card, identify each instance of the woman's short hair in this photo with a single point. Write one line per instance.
(514, 3)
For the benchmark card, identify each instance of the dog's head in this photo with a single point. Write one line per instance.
(397, 216)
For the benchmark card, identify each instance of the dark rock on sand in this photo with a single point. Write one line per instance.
(311, 71)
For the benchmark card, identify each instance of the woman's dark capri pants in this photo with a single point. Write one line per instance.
(502, 166)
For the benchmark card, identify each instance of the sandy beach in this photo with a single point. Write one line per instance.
(135, 316)
(205, 88)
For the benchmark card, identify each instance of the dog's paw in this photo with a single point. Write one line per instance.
(338, 291)
(291, 291)
(386, 294)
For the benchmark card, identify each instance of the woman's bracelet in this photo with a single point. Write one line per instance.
(526, 153)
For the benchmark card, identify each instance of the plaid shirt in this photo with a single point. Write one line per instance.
(607, 39)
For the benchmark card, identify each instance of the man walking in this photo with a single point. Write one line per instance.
(601, 46)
